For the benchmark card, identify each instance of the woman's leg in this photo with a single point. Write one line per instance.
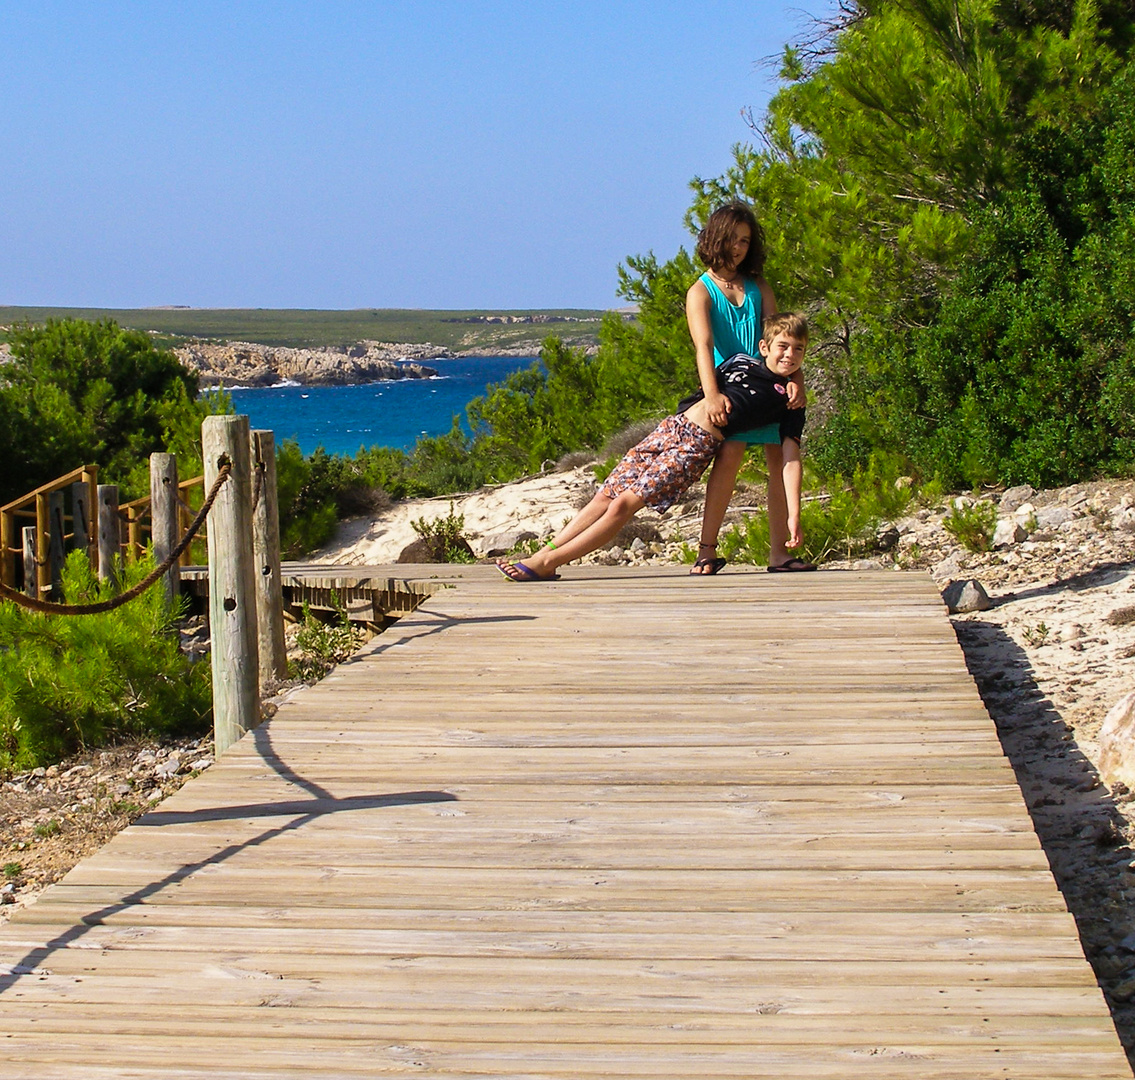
(777, 506)
(718, 492)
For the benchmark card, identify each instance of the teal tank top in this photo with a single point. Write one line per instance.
(737, 329)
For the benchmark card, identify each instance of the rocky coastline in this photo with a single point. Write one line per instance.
(246, 363)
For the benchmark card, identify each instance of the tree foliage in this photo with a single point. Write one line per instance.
(77, 393)
(947, 189)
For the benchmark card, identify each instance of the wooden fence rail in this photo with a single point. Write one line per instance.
(49, 526)
(50, 530)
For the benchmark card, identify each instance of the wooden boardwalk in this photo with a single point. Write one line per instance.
(624, 825)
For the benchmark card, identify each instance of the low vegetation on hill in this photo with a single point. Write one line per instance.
(311, 329)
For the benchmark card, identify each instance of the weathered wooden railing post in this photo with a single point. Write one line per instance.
(232, 590)
(89, 477)
(266, 551)
(31, 578)
(83, 537)
(164, 518)
(133, 533)
(110, 532)
(42, 532)
(56, 551)
(7, 543)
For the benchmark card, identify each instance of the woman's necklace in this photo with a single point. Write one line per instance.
(727, 283)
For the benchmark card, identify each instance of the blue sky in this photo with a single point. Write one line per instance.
(346, 154)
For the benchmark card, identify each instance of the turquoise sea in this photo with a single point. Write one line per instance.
(342, 419)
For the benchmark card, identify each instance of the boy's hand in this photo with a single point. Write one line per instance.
(717, 409)
(795, 534)
(796, 394)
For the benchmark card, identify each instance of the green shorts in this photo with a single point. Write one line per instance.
(770, 433)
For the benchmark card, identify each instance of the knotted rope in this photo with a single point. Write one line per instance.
(47, 608)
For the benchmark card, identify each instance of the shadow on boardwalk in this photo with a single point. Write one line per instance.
(321, 803)
(1084, 833)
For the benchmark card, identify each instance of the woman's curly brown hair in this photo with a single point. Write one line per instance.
(715, 241)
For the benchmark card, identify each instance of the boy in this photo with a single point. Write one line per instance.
(670, 459)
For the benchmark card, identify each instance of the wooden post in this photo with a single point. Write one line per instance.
(164, 518)
(110, 532)
(232, 589)
(8, 542)
(81, 532)
(31, 578)
(133, 533)
(90, 477)
(184, 520)
(266, 549)
(42, 531)
(55, 548)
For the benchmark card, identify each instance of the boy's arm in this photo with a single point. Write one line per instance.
(701, 332)
(792, 473)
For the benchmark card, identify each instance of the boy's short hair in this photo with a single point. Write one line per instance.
(791, 323)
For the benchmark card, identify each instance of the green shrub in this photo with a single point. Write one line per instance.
(445, 536)
(840, 521)
(972, 525)
(322, 645)
(71, 682)
(77, 392)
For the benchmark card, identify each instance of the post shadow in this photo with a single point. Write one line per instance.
(303, 811)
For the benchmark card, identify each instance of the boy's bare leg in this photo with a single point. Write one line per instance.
(718, 492)
(615, 513)
(777, 506)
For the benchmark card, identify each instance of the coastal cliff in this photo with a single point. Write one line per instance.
(244, 363)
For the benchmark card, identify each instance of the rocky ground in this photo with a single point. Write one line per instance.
(1051, 654)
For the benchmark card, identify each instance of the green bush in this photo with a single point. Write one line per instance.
(840, 521)
(77, 392)
(445, 536)
(322, 644)
(72, 682)
(972, 524)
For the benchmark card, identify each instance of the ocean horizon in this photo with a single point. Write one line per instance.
(393, 412)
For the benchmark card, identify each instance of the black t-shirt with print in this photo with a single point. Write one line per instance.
(758, 397)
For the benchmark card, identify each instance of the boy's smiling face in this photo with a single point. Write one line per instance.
(783, 355)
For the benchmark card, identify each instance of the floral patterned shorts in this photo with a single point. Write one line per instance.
(661, 468)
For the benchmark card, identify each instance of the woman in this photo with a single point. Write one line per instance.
(724, 309)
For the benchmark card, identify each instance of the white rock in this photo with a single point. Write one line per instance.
(1117, 743)
(1014, 496)
(1008, 532)
(170, 767)
(1052, 517)
(503, 542)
